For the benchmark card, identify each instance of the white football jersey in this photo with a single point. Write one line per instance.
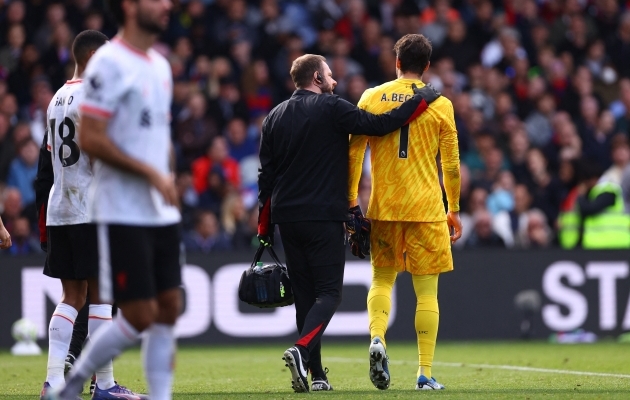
(67, 202)
(132, 89)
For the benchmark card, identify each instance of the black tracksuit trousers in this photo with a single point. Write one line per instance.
(315, 254)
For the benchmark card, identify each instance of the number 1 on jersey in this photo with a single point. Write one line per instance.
(403, 145)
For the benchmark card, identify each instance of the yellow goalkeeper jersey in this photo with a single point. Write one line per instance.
(405, 181)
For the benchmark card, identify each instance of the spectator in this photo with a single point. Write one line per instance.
(511, 225)
(217, 155)
(240, 144)
(19, 81)
(259, 94)
(598, 146)
(10, 54)
(351, 23)
(368, 51)
(622, 124)
(482, 235)
(504, 50)
(188, 199)
(435, 21)
(597, 62)
(581, 87)
(482, 27)
(59, 54)
(477, 202)
(12, 208)
(484, 142)
(41, 96)
(463, 109)
(356, 87)
(493, 165)
(620, 154)
(619, 47)
(207, 236)
(538, 231)
(195, 129)
(459, 46)
(538, 123)
(211, 198)
(9, 107)
(23, 242)
(576, 39)
(236, 25)
(55, 15)
(502, 196)
(14, 14)
(273, 26)
(546, 189)
(229, 103)
(23, 170)
(568, 144)
(234, 219)
(519, 145)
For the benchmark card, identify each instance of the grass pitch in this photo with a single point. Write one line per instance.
(505, 370)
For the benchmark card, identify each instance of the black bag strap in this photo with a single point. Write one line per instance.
(271, 252)
(257, 256)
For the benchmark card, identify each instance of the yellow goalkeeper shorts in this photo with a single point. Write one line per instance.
(421, 248)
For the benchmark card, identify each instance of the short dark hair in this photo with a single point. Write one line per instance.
(414, 52)
(85, 42)
(303, 68)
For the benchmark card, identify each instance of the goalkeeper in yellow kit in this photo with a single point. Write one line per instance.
(410, 229)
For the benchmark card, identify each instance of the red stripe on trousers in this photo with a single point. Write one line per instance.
(307, 339)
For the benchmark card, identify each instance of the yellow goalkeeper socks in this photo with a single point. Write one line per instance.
(379, 301)
(427, 320)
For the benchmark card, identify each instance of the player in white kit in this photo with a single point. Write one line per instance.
(125, 126)
(71, 246)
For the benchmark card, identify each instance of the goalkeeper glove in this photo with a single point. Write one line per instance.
(359, 229)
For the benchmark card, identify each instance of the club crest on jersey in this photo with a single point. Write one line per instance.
(94, 87)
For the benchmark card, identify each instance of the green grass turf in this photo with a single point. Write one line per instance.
(248, 372)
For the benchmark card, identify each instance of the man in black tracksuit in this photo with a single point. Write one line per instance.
(303, 183)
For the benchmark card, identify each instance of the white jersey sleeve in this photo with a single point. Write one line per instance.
(104, 87)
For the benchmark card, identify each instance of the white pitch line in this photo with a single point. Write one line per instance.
(488, 366)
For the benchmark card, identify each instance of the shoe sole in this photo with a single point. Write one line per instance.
(297, 383)
(378, 376)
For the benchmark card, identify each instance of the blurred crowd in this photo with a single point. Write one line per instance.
(538, 87)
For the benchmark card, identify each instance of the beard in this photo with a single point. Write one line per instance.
(148, 25)
(326, 88)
